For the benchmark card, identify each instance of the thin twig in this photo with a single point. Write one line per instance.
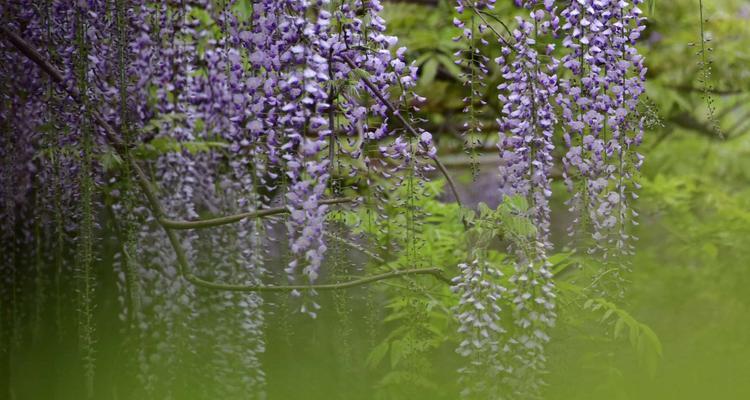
(499, 36)
(331, 117)
(355, 246)
(495, 18)
(395, 112)
(347, 243)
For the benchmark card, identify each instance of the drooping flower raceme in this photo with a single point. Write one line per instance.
(602, 124)
(527, 126)
(259, 111)
(477, 70)
(242, 114)
(600, 108)
(589, 88)
(528, 120)
(478, 314)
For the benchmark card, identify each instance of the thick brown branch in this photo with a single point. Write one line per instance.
(687, 121)
(435, 272)
(230, 219)
(37, 58)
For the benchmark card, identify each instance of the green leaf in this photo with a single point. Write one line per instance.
(111, 160)
(398, 350)
(619, 327)
(396, 316)
(650, 349)
(450, 66)
(633, 336)
(429, 71)
(517, 203)
(243, 9)
(377, 354)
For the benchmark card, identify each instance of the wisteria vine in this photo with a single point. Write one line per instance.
(268, 114)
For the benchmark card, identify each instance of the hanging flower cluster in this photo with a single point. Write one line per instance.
(259, 111)
(526, 129)
(476, 66)
(59, 138)
(474, 4)
(589, 88)
(528, 118)
(478, 313)
(602, 125)
(270, 102)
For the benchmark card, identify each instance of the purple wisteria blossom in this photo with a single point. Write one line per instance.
(602, 96)
(589, 88)
(475, 73)
(263, 111)
(478, 313)
(527, 126)
(601, 122)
